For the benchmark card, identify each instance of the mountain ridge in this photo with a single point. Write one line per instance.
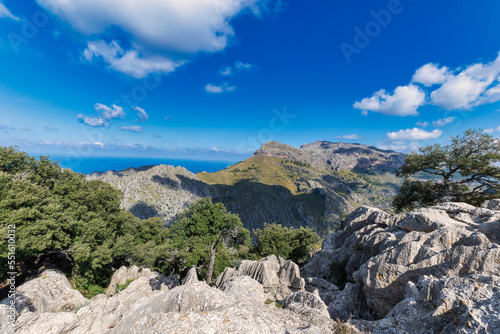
(316, 185)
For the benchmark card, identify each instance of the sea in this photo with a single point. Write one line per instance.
(86, 165)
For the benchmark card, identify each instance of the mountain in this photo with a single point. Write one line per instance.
(315, 185)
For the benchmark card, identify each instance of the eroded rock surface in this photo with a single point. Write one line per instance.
(422, 267)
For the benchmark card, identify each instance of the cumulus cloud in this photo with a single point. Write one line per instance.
(350, 137)
(161, 34)
(460, 89)
(404, 101)
(133, 128)
(430, 74)
(109, 112)
(442, 122)
(143, 116)
(92, 121)
(413, 135)
(4, 12)
(130, 62)
(237, 67)
(422, 124)
(217, 89)
(105, 114)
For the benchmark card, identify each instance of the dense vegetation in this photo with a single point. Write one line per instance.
(467, 170)
(289, 243)
(60, 217)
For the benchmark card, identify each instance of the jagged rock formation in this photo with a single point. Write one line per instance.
(334, 156)
(432, 270)
(124, 275)
(147, 306)
(279, 278)
(156, 191)
(315, 186)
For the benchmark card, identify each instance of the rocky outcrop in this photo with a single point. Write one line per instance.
(413, 268)
(125, 275)
(334, 156)
(191, 277)
(50, 291)
(238, 306)
(156, 191)
(279, 278)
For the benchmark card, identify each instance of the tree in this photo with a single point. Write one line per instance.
(465, 171)
(206, 226)
(58, 214)
(289, 243)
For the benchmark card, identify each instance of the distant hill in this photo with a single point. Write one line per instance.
(316, 185)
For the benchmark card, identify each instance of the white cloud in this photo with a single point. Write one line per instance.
(162, 34)
(129, 62)
(26, 128)
(404, 101)
(238, 66)
(217, 89)
(442, 122)
(141, 113)
(399, 146)
(422, 124)
(92, 121)
(491, 130)
(227, 71)
(459, 89)
(430, 75)
(414, 134)
(51, 128)
(4, 12)
(4, 126)
(350, 137)
(109, 113)
(133, 128)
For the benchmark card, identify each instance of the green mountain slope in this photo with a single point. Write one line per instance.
(315, 185)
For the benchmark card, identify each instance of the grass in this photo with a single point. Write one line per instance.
(87, 289)
(270, 301)
(121, 287)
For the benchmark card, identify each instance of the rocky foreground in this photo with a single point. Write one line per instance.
(432, 270)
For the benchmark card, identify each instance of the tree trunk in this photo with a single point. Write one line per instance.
(210, 272)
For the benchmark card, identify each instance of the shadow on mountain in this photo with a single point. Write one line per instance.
(165, 181)
(144, 211)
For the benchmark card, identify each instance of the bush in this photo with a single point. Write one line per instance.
(289, 243)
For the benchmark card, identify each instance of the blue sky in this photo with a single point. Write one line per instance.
(214, 79)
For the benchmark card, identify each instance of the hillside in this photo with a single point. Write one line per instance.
(316, 185)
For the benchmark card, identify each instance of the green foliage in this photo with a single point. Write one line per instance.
(86, 288)
(270, 301)
(206, 226)
(338, 275)
(287, 242)
(57, 213)
(121, 287)
(467, 170)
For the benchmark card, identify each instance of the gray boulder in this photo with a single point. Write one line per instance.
(278, 277)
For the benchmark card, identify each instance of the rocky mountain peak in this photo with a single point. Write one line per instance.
(334, 156)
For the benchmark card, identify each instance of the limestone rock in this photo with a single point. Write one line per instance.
(278, 277)
(49, 291)
(124, 274)
(191, 277)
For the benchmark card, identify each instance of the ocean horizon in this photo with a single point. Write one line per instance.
(87, 165)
